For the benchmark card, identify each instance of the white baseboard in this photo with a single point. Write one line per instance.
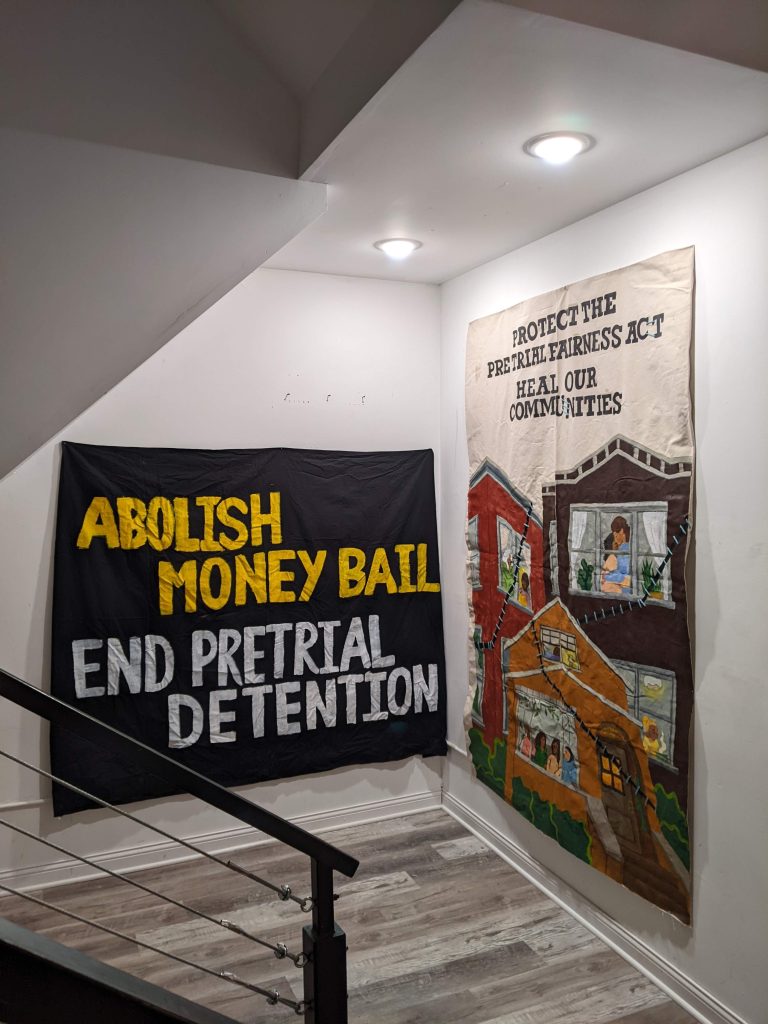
(152, 855)
(21, 805)
(678, 986)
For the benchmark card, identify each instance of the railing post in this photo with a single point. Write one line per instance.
(325, 945)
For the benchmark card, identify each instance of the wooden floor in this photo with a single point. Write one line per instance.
(440, 930)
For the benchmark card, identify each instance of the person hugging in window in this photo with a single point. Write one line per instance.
(615, 576)
(553, 761)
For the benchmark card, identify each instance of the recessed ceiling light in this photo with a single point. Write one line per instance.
(397, 248)
(558, 147)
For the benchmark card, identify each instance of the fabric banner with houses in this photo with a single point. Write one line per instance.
(255, 614)
(579, 517)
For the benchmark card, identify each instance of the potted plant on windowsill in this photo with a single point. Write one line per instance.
(651, 585)
(584, 575)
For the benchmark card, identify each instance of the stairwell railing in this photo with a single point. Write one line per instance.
(324, 948)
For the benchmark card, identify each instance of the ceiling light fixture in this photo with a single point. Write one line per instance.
(558, 147)
(397, 248)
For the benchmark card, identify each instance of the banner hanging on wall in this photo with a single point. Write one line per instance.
(579, 515)
(255, 614)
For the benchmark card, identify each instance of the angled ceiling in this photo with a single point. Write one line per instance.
(262, 85)
(332, 54)
(107, 254)
(171, 78)
(437, 154)
(736, 31)
(296, 39)
(130, 135)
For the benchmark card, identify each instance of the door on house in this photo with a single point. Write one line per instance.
(618, 796)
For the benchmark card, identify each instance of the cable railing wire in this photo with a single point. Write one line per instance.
(284, 892)
(280, 950)
(272, 996)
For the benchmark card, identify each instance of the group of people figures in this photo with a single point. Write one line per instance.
(546, 754)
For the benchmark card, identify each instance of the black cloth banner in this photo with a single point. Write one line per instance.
(254, 614)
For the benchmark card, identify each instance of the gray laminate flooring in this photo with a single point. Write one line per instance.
(440, 930)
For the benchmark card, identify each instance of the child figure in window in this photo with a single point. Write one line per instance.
(614, 576)
(526, 747)
(540, 752)
(568, 767)
(653, 740)
(553, 761)
(524, 589)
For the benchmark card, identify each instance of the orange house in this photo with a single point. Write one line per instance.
(573, 742)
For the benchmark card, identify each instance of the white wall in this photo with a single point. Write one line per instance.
(721, 208)
(285, 359)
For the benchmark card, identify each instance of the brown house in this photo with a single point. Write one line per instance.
(576, 744)
(608, 524)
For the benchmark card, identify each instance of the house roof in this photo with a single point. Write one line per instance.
(622, 447)
(545, 616)
(488, 468)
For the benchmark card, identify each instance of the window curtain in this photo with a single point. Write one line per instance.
(474, 553)
(579, 520)
(655, 525)
(554, 572)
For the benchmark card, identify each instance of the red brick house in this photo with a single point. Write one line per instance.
(505, 570)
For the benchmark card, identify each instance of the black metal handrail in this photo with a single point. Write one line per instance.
(324, 943)
(41, 980)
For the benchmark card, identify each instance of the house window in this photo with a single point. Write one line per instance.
(514, 570)
(610, 774)
(615, 549)
(651, 696)
(554, 570)
(560, 647)
(477, 703)
(546, 734)
(474, 553)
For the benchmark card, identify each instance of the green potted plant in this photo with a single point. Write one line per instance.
(651, 586)
(584, 575)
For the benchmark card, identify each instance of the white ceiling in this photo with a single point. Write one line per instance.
(437, 153)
